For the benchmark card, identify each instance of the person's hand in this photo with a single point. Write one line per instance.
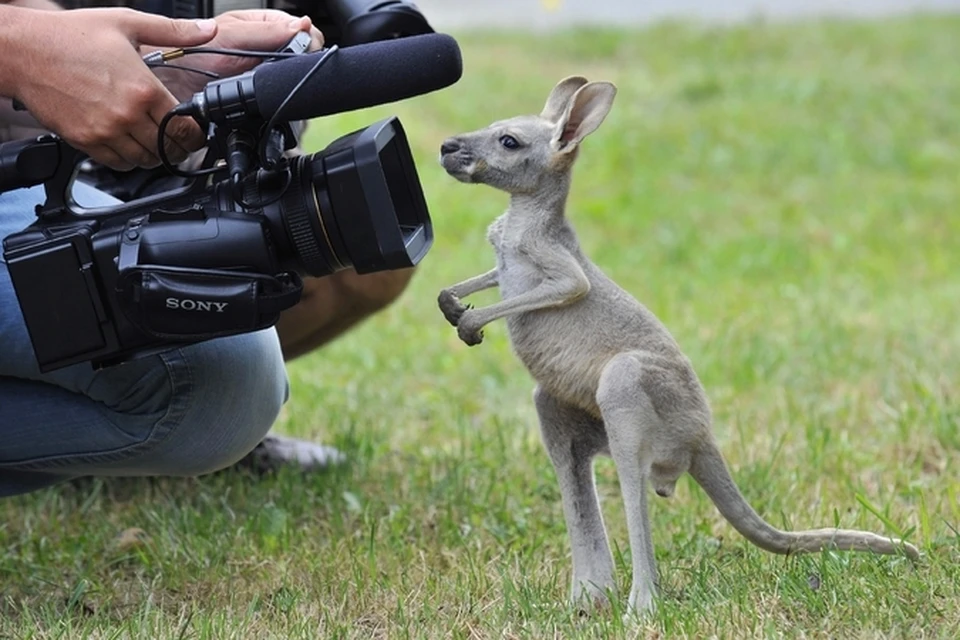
(82, 77)
(248, 30)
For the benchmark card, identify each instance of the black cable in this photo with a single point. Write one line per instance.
(261, 147)
(288, 178)
(167, 65)
(182, 109)
(239, 52)
(160, 59)
(173, 54)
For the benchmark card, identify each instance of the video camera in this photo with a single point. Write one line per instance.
(224, 251)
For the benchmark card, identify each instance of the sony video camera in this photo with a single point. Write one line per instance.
(225, 251)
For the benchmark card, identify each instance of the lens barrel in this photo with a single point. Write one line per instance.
(358, 203)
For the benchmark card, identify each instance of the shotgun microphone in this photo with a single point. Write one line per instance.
(351, 78)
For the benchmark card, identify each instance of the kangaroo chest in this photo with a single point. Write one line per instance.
(516, 275)
(517, 271)
(553, 343)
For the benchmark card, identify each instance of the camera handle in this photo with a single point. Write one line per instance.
(57, 188)
(49, 160)
(45, 159)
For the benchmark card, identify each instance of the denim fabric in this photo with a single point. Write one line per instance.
(184, 412)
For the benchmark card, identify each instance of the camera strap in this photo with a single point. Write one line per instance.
(181, 303)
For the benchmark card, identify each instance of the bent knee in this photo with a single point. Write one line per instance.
(238, 388)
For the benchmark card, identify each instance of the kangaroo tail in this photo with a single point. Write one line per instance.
(711, 473)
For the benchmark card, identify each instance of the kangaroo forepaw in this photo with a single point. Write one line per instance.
(467, 328)
(451, 307)
(470, 337)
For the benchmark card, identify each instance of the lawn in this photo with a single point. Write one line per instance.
(783, 197)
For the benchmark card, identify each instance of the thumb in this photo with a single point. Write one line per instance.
(158, 31)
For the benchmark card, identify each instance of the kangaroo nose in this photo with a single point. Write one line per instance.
(450, 145)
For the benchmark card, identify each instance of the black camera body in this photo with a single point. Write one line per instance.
(221, 253)
(108, 285)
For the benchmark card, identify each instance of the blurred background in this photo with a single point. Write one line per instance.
(539, 14)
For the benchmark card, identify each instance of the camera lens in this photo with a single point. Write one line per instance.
(358, 203)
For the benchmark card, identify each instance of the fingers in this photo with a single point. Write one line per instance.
(146, 28)
(133, 137)
(136, 142)
(139, 147)
(121, 139)
(174, 147)
(264, 29)
(182, 134)
(252, 30)
(107, 156)
(316, 39)
(136, 150)
(305, 24)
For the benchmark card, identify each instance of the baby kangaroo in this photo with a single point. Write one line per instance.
(610, 378)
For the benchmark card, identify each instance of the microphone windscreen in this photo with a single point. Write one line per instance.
(359, 76)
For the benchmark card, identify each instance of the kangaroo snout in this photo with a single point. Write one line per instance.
(456, 160)
(450, 145)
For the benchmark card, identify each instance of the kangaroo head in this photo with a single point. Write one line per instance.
(525, 154)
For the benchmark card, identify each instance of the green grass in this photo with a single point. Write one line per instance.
(784, 197)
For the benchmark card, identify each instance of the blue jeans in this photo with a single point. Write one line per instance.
(185, 412)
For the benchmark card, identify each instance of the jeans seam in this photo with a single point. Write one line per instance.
(180, 399)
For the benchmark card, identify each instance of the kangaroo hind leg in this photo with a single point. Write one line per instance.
(572, 439)
(633, 429)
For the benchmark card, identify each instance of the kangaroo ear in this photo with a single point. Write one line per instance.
(585, 111)
(560, 96)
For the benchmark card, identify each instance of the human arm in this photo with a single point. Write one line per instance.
(264, 30)
(9, 118)
(93, 89)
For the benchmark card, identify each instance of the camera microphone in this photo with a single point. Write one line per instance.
(352, 78)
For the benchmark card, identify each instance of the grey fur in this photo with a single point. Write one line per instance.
(610, 378)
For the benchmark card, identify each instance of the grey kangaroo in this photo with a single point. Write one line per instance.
(610, 378)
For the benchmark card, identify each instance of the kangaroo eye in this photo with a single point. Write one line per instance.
(509, 142)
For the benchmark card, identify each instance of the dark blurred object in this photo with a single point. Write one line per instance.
(342, 22)
(357, 21)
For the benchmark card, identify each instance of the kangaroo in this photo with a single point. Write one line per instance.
(610, 378)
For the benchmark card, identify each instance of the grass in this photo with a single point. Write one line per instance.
(783, 197)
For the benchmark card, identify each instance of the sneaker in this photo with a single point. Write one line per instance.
(276, 451)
